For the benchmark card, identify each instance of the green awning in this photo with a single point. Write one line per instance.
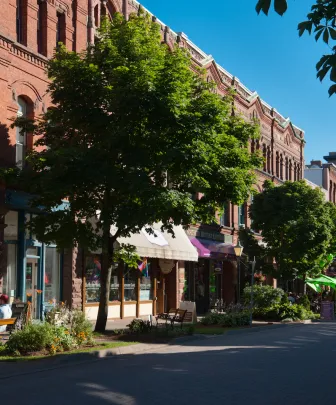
(315, 287)
(322, 280)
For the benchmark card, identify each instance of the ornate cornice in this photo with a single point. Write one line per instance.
(22, 52)
(227, 79)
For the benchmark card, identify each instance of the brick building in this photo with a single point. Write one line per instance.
(323, 175)
(29, 32)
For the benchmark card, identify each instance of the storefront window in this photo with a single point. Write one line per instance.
(9, 281)
(11, 222)
(130, 284)
(114, 291)
(52, 275)
(215, 284)
(146, 286)
(93, 280)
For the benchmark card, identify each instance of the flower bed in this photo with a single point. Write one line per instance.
(63, 330)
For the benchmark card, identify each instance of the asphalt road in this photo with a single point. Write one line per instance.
(289, 365)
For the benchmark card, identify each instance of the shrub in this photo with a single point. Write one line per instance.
(228, 320)
(286, 311)
(80, 327)
(212, 319)
(58, 315)
(304, 301)
(264, 296)
(62, 340)
(50, 336)
(32, 338)
(139, 326)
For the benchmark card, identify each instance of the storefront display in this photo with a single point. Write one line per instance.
(93, 279)
(130, 284)
(52, 275)
(145, 289)
(9, 279)
(10, 237)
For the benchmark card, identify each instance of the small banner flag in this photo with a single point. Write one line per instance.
(143, 267)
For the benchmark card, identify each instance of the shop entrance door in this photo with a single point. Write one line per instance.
(32, 268)
(202, 286)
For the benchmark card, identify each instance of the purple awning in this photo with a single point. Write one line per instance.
(211, 249)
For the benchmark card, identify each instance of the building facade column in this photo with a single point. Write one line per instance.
(73, 277)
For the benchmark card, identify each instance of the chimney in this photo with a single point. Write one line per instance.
(316, 163)
(331, 158)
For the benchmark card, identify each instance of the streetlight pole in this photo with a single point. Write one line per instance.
(252, 285)
(238, 251)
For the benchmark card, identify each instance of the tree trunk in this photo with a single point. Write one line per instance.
(304, 284)
(105, 280)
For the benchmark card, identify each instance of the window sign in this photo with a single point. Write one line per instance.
(11, 230)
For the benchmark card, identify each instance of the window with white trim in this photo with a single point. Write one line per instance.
(21, 136)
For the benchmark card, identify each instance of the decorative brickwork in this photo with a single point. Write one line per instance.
(73, 277)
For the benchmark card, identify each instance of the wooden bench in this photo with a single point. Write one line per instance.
(179, 317)
(9, 321)
(175, 316)
(167, 316)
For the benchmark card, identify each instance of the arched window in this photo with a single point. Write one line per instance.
(281, 167)
(21, 21)
(60, 28)
(290, 170)
(21, 136)
(286, 169)
(241, 215)
(225, 217)
(96, 16)
(252, 146)
(265, 157)
(330, 190)
(334, 194)
(277, 165)
(42, 19)
(268, 159)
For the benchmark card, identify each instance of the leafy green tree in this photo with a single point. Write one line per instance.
(297, 226)
(321, 22)
(133, 135)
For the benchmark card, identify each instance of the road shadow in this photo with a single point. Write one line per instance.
(275, 367)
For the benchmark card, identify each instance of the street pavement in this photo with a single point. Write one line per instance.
(288, 365)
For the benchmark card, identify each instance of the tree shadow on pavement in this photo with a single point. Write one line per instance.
(280, 366)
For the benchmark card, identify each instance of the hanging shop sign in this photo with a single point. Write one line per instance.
(166, 265)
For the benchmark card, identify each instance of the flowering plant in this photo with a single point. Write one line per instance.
(259, 277)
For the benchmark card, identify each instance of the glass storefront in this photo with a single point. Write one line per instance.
(9, 280)
(52, 275)
(10, 237)
(92, 277)
(130, 284)
(146, 292)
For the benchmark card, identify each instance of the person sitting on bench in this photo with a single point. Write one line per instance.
(5, 310)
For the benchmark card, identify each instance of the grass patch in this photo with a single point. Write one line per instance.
(100, 346)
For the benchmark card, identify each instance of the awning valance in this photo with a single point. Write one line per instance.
(212, 249)
(162, 245)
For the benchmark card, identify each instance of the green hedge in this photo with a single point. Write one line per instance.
(227, 320)
(280, 312)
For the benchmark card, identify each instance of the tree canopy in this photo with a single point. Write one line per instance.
(133, 135)
(321, 22)
(297, 225)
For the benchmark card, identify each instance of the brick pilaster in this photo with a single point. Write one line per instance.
(72, 277)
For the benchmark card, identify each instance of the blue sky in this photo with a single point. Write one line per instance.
(267, 56)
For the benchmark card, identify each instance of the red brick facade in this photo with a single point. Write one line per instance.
(29, 32)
